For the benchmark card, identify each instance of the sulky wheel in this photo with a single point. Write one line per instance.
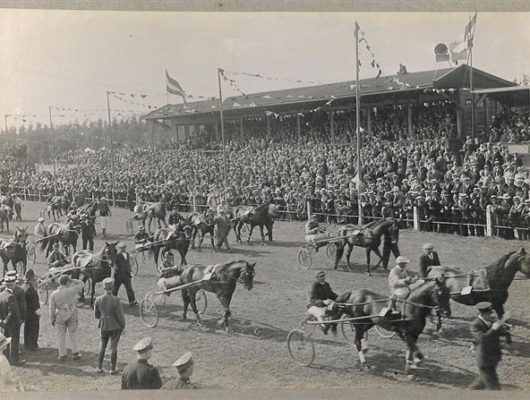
(383, 332)
(32, 254)
(331, 251)
(201, 301)
(301, 347)
(129, 227)
(348, 329)
(149, 309)
(43, 292)
(304, 258)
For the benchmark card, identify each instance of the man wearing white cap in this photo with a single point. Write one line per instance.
(399, 280)
(8, 381)
(63, 314)
(140, 374)
(428, 259)
(40, 228)
(184, 366)
(108, 310)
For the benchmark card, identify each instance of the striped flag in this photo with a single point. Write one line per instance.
(460, 48)
(173, 87)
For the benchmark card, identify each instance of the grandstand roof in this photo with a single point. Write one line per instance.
(448, 78)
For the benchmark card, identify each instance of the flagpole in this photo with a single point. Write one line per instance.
(470, 46)
(5, 122)
(219, 72)
(357, 125)
(111, 153)
(53, 143)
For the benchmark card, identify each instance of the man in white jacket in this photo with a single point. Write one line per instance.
(63, 314)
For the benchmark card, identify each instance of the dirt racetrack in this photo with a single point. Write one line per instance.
(255, 354)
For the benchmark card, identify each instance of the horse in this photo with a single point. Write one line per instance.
(261, 216)
(202, 225)
(368, 236)
(5, 216)
(10, 250)
(167, 239)
(55, 208)
(66, 234)
(222, 282)
(157, 211)
(21, 235)
(426, 296)
(94, 266)
(488, 284)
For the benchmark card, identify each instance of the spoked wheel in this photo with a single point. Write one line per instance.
(383, 332)
(301, 347)
(129, 227)
(149, 309)
(331, 251)
(32, 254)
(43, 292)
(348, 329)
(201, 301)
(304, 258)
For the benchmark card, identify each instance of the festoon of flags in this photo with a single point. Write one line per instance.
(461, 47)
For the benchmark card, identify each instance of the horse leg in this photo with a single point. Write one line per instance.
(250, 233)
(191, 300)
(378, 254)
(360, 343)
(499, 309)
(338, 254)
(92, 292)
(212, 241)
(193, 234)
(348, 253)
(225, 302)
(368, 251)
(201, 238)
(182, 257)
(262, 235)
(185, 303)
(269, 231)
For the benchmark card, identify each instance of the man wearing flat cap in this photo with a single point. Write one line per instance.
(140, 374)
(184, 367)
(108, 310)
(428, 259)
(486, 331)
(321, 301)
(399, 280)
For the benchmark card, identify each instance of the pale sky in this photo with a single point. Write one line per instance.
(71, 58)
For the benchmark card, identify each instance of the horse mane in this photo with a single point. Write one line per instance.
(343, 298)
(495, 270)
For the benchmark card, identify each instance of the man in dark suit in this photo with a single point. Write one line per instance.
(122, 274)
(107, 308)
(20, 296)
(428, 259)
(140, 374)
(486, 331)
(32, 324)
(390, 244)
(10, 319)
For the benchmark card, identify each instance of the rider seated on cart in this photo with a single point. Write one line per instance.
(401, 282)
(57, 259)
(175, 218)
(168, 268)
(322, 302)
(141, 238)
(314, 232)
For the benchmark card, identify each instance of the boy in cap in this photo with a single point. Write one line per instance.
(122, 274)
(184, 366)
(321, 301)
(32, 325)
(428, 259)
(140, 374)
(486, 331)
(108, 310)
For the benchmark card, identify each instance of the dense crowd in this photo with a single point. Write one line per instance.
(451, 189)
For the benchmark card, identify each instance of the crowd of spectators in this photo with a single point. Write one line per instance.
(451, 189)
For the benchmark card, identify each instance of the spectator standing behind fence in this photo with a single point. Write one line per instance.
(63, 314)
(108, 310)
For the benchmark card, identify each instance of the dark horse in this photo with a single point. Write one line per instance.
(14, 252)
(222, 282)
(261, 216)
(487, 284)
(414, 311)
(66, 234)
(201, 224)
(368, 236)
(94, 266)
(166, 239)
(5, 216)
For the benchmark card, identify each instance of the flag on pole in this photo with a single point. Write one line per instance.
(460, 47)
(173, 87)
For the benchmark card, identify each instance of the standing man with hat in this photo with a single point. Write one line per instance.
(20, 296)
(321, 301)
(428, 259)
(32, 324)
(10, 319)
(140, 374)
(108, 310)
(486, 331)
(40, 228)
(63, 314)
(184, 366)
(122, 274)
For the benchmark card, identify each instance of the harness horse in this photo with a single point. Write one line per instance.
(262, 216)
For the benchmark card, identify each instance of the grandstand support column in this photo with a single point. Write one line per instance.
(416, 218)
(332, 127)
(489, 222)
(409, 119)
(298, 133)
(459, 122)
(487, 111)
(358, 119)
(308, 206)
